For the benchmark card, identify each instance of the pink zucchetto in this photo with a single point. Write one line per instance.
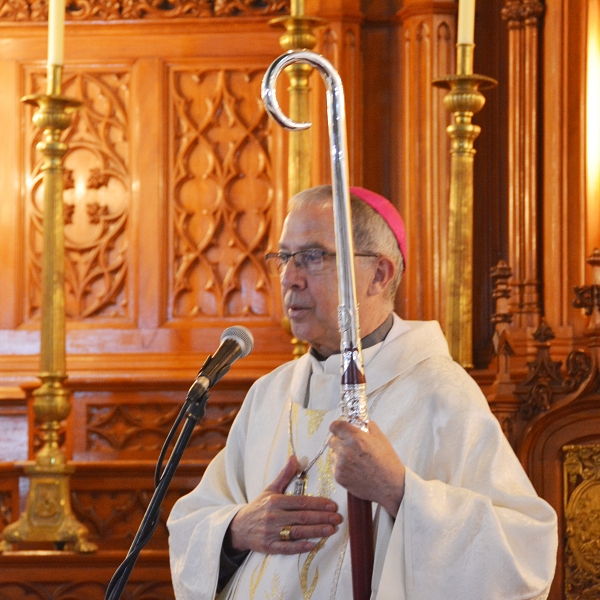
(389, 213)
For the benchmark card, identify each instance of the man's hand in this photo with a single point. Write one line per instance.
(367, 465)
(257, 525)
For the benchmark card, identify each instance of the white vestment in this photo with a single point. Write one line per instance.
(470, 525)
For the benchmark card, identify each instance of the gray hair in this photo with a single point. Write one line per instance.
(372, 234)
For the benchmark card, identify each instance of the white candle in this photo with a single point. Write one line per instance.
(466, 22)
(297, 8)
(56, 32)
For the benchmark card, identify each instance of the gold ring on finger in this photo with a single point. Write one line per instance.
(285, 533)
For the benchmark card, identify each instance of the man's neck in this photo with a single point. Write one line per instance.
(376, 336)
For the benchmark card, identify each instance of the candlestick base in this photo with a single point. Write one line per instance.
(48, 517)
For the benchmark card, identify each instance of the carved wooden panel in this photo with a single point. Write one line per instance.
(582, 519)
(66, 576)
(125, 428)
(97, 184)
(571, 419)
(222, 193)
(111, 498)
(113, 517)
(130, 290)
(132, 426)
(108, 10)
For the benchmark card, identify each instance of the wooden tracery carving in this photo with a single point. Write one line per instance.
(517, 405)
(113, 516)
(224, 8)
(14, 10)
(109, 10)
(144, 427)
(97, 198)
(222, 194)
(545, 384)
(139, 9)
(82, 10)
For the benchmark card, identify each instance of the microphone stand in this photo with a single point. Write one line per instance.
(236, 342)
(193, 411)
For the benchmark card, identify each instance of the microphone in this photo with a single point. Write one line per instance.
(236, 342)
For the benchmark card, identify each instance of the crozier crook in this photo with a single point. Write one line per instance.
(353, 383)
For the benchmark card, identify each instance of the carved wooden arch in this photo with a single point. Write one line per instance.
(574, 421)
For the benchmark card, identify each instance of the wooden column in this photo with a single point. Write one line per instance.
(426, 39)
(523, 18)
(340, 43)
(564, 201)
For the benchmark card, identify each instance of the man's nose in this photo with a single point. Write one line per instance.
(293, 275)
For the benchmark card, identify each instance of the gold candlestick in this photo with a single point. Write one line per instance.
(48, 516)
(463, 101)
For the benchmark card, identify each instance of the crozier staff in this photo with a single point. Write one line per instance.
(453, 508)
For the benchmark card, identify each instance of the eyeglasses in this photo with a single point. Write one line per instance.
(311, 261)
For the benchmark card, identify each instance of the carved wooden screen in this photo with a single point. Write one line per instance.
(553, 451)
(97, 198)
(222, 193)
(174, 182)
(173, 185)
(174, 189)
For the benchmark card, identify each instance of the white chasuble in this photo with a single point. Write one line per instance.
(325, 572)
(470, 525)
(314, 575)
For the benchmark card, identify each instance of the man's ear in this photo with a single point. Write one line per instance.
(383, 275)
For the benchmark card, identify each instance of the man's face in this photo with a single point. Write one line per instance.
(310, 301)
